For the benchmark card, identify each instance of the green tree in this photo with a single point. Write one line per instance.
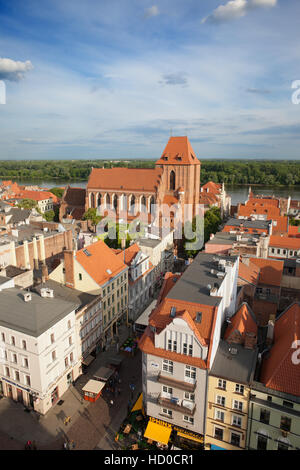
(27, 204)
(49, 216)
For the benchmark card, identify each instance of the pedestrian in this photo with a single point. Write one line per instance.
(119, 391)
(34, 445)
(111, 402)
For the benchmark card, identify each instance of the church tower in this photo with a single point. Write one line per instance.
(181, 171)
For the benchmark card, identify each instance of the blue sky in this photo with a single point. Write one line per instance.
(115, 78)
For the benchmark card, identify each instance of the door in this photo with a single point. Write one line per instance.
(54, 396)
(9, 391)
(70, 378)
(19, 395)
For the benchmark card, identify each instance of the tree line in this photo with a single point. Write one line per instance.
(232, 172)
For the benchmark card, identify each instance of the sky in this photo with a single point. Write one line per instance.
(116, 78)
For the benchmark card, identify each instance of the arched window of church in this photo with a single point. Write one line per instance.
(152, 205)
(115, 202)
(143, 204)
(99, 200)
(107, 199)
(92, 200)
(172, 180)
(132, 204)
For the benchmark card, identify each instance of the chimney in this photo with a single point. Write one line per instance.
(69, 268)
(45, 275)
(250, 341)
(270, 333)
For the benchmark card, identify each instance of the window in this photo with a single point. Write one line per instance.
(262, 442)
(167, 412)
(71, 357)
(184, 348)
(7, 372)
(288, 404)
(25, 362)
(66, 362)
(167, 366)
(220, 400)
(190, 350)
(237, 421)
(27, 380)
(24, 345)
(188, 419)
(238, 405)
(190, 373)
(282, 446)
(189, 396)
(52, 338)
(80, 276)
(3, 337)
(53, 355)
(69, 324)
(235, 439)
(269, 398)
(239, 389)
(264, 416)
(167, 391)
(169, 345)
(13, 341)
(175, 346)
(17, 376)
(222, 384)
(219, 415)
(218, 433)
(14, 358)
(285, 423)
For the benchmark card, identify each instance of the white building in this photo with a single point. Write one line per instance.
(39, 358)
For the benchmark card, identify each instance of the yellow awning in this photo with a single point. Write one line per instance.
(158, 433)
(138, 404)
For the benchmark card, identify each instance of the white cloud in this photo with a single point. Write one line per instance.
(14, 70)
(152, 11)
(236, 9)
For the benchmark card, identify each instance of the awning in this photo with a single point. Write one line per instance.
(93, 386)
(138, 404)
(88, 360)
(104, 374)
(158, 433)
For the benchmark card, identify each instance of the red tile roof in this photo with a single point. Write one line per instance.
(169, 281)
(212, 187)
(270, 271)
(178, 151)
(102, 259)
(129, 179)
(294, 231)
(269, 211)
(249, 273)
(264, 201)
(279, 370)
(242, 321)
(284, 242)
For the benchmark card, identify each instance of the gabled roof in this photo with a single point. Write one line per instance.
(243, 321)
(270, 270)
(279, 369)
(264, 201)
(74, 196)
(211, 187)
(129, 254)
(129, 179)
(178, 151)
(160, 317)
(100, 262)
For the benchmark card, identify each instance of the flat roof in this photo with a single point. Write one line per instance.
(238, 367)
(192, 286)
(144, 317)
(103, 373)
(93, 386)
(4, 279)
(262, 224)
(67, 293)
(35, 316)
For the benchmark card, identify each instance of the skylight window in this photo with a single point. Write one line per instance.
(87, 253)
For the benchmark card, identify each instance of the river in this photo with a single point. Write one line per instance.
(237, 193)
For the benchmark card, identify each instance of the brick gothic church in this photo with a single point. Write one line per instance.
(175, 179)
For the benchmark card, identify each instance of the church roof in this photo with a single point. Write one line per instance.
(129, 179)
(178, 152)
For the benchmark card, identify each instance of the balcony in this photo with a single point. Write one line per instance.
(177, 405)
(182, 385)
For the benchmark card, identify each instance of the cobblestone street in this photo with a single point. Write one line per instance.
(92, 425)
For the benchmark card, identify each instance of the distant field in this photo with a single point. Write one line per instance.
(234, 172)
